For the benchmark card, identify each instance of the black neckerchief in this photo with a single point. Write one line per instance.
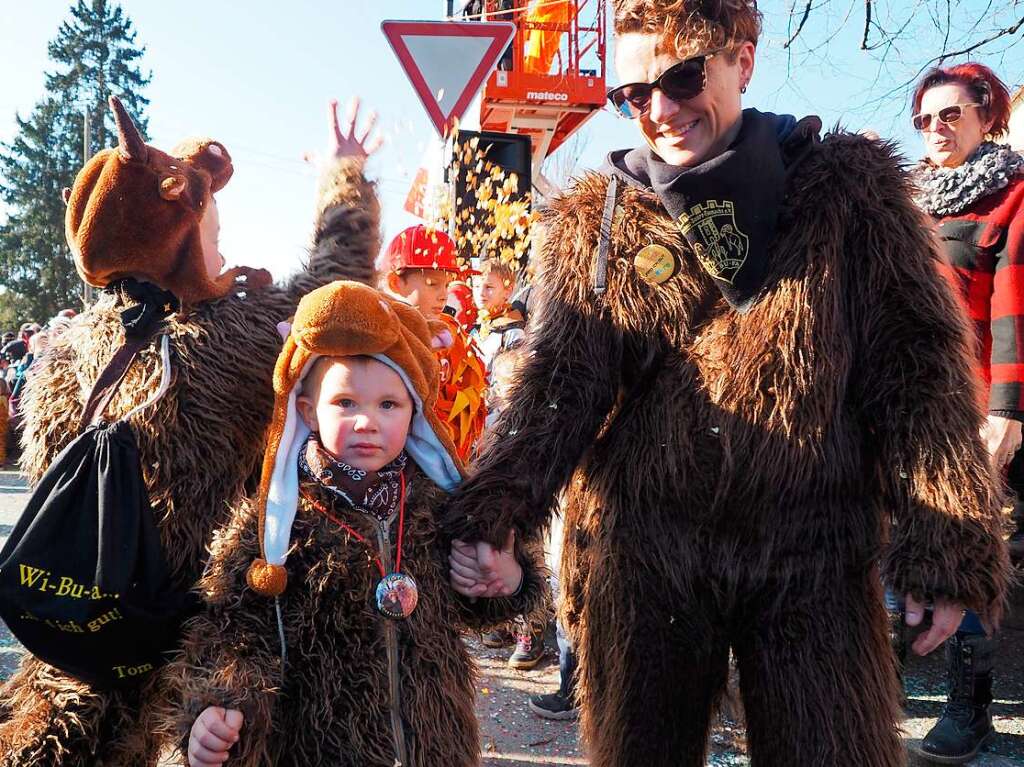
(376, 493)
(154, 304)
(727, 207)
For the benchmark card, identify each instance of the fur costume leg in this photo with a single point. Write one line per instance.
(658, 653)
(818, 677)
(130, 738)
(50, 718)
(439, 711)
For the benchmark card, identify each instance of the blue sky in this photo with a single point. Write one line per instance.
(257, 76)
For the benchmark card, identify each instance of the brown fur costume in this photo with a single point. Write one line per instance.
(732, 477)
(332, 701)
(200, 448)
(331, 704)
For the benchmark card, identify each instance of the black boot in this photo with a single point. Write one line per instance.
(966, 724)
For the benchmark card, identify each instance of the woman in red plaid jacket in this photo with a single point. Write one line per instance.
(973, 188)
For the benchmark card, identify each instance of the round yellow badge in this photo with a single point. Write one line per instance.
(656, 264)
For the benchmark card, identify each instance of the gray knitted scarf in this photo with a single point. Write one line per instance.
(948, 191)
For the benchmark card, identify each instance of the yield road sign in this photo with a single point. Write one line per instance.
(447, 62)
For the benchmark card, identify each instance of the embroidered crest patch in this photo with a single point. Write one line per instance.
(719, 244)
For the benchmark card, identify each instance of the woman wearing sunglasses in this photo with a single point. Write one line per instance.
(973, 188)
(739, 372)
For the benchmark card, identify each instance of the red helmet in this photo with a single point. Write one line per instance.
(460, 298)
(421, 247)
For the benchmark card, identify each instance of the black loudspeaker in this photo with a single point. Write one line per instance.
(485, 159)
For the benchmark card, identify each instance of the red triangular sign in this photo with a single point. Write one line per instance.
(447, 62)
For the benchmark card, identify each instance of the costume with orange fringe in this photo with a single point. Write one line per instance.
(461, 402)
(297, 633)
(463, 384)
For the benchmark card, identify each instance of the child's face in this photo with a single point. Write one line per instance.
(493, 293)
(426, 289)
(361, 409)
(209, 236)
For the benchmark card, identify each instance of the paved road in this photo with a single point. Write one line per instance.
(513, 737)
(13, 496)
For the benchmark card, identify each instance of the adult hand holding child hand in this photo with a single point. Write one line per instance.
(946, 617)
(214, 733)
(481, 570)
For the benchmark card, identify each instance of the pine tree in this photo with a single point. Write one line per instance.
(96, 55)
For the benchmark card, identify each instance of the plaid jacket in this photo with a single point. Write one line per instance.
(985, 248)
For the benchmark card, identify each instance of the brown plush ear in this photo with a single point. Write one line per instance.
(172, 187)
(65, 194)
(208, 155)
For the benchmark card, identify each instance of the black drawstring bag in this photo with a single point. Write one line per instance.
(83, 580)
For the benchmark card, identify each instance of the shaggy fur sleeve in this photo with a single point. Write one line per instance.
(561, 396)
(917, 391)
(51, 401)
(230, 653)
(346, 237)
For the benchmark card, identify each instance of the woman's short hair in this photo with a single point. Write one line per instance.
(693, 25)
(980, 81)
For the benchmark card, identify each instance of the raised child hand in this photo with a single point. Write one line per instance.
(345, 140)
(481, 570)
(214, 733)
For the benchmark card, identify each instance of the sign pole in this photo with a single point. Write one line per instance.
(89, 294)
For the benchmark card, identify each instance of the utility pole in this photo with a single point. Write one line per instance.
(89, 292)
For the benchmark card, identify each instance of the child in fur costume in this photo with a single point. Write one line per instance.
(137, 212)
(341, 554)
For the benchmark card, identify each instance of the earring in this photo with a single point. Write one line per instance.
(743, 89)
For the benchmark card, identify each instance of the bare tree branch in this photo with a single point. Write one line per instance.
(867, 25)
(1011, 30)
(904, 85)
(982, 16)
(800, 26)
(889, 39)
(949, 25)
(835, 32)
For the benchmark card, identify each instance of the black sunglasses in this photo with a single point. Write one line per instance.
(679, 82)
(948, 116)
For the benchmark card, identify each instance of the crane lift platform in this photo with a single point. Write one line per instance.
(551, 79)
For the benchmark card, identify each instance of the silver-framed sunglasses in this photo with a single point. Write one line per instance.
(679, 82)
(947, 116)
